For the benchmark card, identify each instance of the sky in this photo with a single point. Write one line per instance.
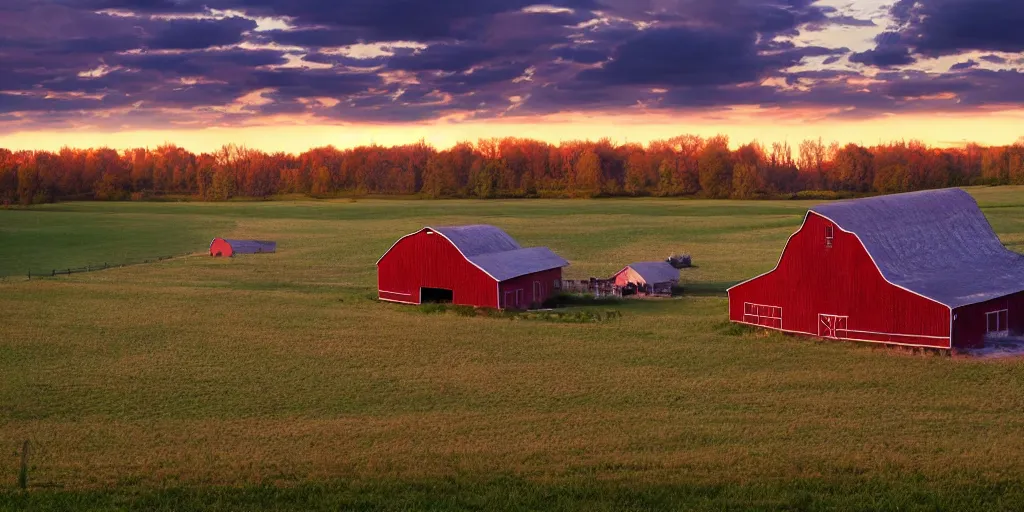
(287, 75)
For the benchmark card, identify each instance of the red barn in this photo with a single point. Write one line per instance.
(920, 269)
(475, 265)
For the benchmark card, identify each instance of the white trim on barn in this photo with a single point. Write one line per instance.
(873, 262)
(434, 231)
(949, 346)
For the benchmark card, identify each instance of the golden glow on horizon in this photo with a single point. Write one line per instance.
(741, 125)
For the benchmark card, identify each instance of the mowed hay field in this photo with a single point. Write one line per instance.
(278, 381)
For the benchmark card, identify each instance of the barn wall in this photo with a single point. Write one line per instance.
(547, 280)
(628, 275)
(842, 280)
(970, 322)
(431, 261)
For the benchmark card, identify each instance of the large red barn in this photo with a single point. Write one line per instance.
(476, 265)
(920, 269)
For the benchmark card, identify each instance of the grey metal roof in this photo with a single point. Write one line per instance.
(477, 239)
(936, 243)
(520, 262)
(251, 246)
(655, 271)
(497, 253)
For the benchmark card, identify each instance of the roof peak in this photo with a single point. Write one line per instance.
(936, 243)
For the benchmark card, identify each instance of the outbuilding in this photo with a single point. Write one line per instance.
(920, 269)
(648, 278)
(475, 265)
(228, 248)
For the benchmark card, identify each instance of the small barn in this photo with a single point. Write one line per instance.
(647, 278)
(475, 265)
(920, 269)
(228, 248)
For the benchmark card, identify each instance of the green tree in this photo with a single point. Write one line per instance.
(747, 182)
(715, 168)
(666, 178)
(481, 179)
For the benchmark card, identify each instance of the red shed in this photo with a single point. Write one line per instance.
(475, 265)
(228, 248)
(920, 269)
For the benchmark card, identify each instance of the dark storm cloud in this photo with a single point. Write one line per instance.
(390, 20)
(188, 34)
(994, 59)
(768, 17)
(313, 37)
(304, 83)
(968, 64)
(174, 58)
(682, 56)
(696, 57)
(444, 57)
(850, 21)
(891, 50)
(945, 27)
(218, 63)
(146, 6)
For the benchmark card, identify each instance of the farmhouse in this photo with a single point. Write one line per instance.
(921, 269)
(476, 265)
(227, 248)
(647, 278)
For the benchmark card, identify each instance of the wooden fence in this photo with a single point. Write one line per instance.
(93, 268)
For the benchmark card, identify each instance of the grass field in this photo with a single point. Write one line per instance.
(277, 381)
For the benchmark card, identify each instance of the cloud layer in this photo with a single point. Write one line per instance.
(145, 63)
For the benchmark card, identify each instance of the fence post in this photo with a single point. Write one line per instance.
(30, 275)
(23, 470)
(53, 272)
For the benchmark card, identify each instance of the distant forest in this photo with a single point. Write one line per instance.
(507, 168)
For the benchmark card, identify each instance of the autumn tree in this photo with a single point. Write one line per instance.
(715, 167)
(853, 169)
(811, 162)
(636, 174)
(587, 175)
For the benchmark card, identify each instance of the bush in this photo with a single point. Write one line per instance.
(432, 309)
(825, 195)
(569, 299)
(578, 316)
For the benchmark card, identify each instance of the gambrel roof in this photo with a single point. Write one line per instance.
(936, 243)
(495, 252)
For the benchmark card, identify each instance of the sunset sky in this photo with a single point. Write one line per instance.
(293, 74)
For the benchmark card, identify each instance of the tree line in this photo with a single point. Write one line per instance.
(686, 165)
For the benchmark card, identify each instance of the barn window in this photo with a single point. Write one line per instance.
(997, 322)
(536, 291)
(829, 236)
(519, 297)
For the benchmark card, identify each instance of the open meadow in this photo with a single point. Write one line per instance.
(278, 381)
